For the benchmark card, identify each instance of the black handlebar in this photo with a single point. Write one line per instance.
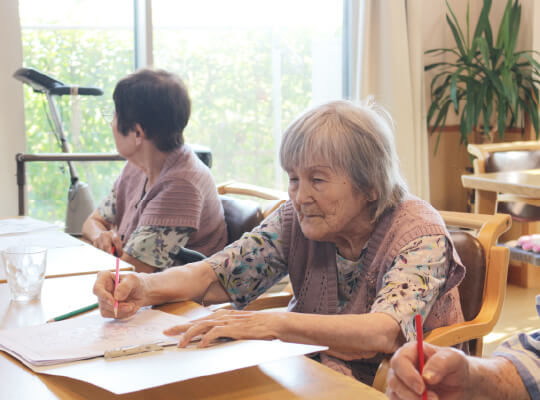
(43, 83)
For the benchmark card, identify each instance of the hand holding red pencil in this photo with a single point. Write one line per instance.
(445, 374)
(116, 280)
(419, 347)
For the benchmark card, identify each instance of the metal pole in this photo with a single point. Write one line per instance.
(21, 159)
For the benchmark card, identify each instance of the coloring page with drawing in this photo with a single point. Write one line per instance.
(86, 337)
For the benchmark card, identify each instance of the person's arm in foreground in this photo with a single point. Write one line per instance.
(449, 374)
(195, 281)
(199, 282)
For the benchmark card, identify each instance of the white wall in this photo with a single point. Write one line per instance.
(12, 132)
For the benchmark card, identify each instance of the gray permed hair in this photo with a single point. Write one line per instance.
(354, 138)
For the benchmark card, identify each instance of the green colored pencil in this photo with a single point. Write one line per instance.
(75, 312)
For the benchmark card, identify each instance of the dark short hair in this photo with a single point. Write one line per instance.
(157, 100)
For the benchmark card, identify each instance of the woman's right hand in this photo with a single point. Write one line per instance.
(446, 373)
(130, 294)
(106, 240)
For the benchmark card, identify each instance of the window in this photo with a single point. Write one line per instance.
(84, 42)
(251, 67)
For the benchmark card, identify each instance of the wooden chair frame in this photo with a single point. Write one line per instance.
(481, 152)
(489, 228)
(277, 197)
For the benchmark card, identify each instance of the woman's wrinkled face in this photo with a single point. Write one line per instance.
(326, 202)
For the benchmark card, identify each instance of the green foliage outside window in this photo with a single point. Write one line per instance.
(230, 82)
(86, 58)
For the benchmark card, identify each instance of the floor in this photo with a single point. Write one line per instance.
(518, 315)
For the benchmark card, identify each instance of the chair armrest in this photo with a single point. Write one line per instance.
(277, 197)
(264, 302)
(270, 300)
(246, 189)
(379, 382)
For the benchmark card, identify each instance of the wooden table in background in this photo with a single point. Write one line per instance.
(291, 378)
(525, 185)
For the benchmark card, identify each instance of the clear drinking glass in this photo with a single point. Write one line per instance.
(25, 271)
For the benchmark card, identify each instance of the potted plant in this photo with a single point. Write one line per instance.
(489, 84)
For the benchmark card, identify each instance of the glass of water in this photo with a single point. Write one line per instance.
(25, 271)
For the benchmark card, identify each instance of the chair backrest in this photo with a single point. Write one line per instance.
(483, 288)
(471, 289)
(240, 216)
(513, 156)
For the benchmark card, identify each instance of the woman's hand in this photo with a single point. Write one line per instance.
(106, 239)
(130, 294)
(230, 324)
(446, 373)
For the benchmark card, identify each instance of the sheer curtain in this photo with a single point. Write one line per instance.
(12, 131)
(387, 62)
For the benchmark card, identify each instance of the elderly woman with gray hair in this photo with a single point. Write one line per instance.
(362, 254)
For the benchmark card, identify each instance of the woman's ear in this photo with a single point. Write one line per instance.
(139, 134)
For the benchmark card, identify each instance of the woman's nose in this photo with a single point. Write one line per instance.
(302, 192)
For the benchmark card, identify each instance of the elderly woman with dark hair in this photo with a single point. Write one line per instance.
(362, 254)
(165, 198)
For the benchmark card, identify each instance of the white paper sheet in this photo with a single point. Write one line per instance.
(24, 225)
(88, 336)
(148, 370)
(50, 239)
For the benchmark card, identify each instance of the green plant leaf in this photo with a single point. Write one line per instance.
(483, 21)
(484, 49)
(530, 59)
(458, 36)
(503, 35)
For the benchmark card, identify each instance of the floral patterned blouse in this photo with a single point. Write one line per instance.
(153, 245)
(251, 265)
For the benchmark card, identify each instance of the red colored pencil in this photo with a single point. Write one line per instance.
(113, 251)
(420, 347)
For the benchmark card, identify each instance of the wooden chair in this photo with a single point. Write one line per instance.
(483, 288)
(481, 293)
(525, 212)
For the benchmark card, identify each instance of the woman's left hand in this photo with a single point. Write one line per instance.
(230, 324)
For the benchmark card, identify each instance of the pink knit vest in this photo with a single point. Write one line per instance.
(184, 195)
(313, 271)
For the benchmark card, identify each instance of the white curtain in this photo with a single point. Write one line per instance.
(387, 62)
(12, 131)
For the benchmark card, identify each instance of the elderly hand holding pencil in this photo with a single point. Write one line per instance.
(445, 374)
(129, 293)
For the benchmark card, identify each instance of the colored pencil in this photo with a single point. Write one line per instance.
(74, 312)
(116, 280)
(420, 347)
